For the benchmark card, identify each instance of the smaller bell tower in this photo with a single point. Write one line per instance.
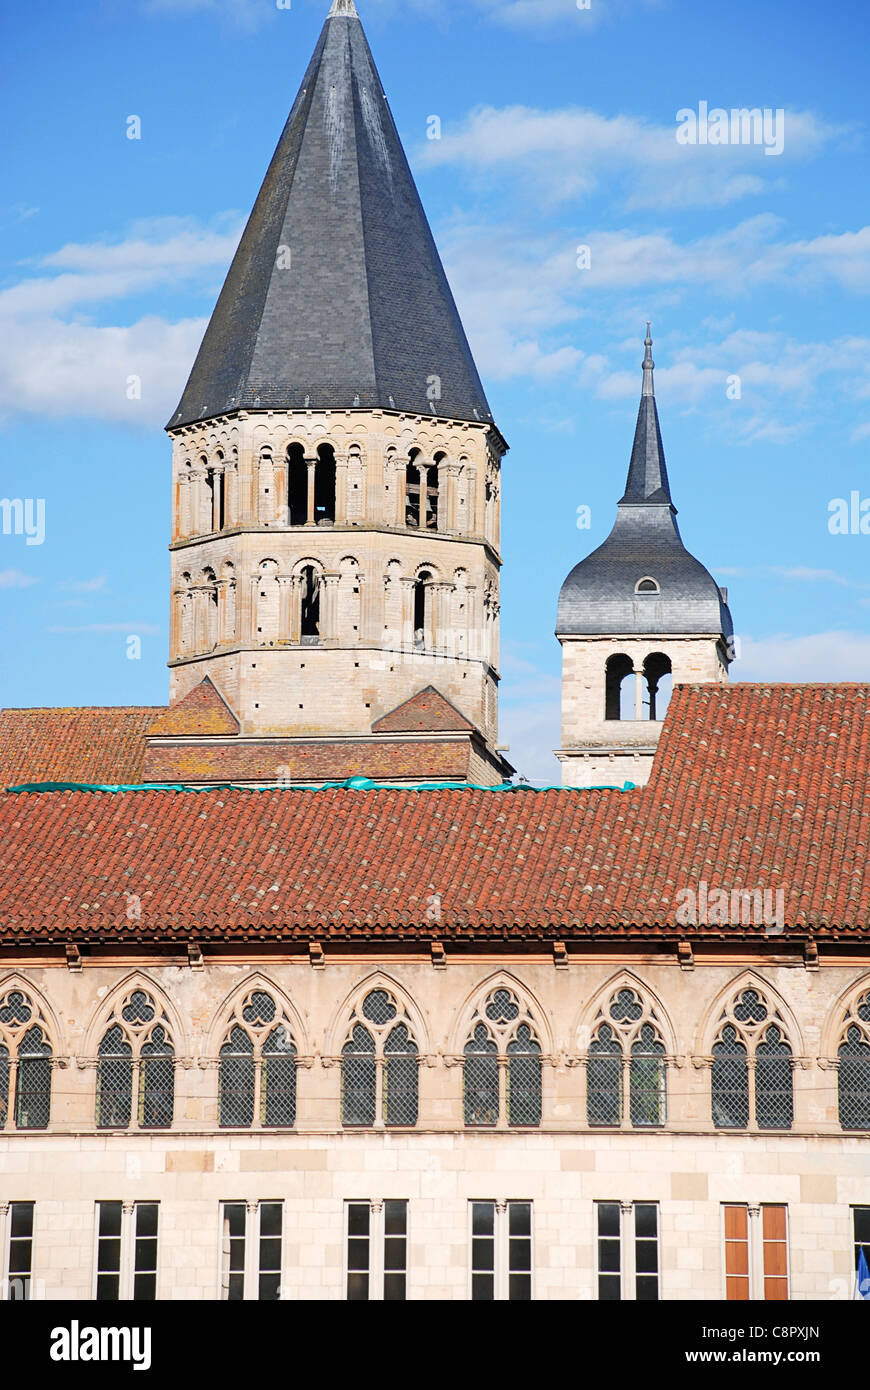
(636, 616)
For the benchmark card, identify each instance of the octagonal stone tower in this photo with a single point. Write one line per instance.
(637, 614)
(336, 467)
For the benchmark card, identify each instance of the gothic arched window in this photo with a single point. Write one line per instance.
(25, 1062)
(752, 1066)
(257, 1074)
(380, 1065)
(853, 1071)
(135, 1058)
(626, 1056)
(502, 1064)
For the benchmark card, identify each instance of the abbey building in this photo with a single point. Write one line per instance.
(301, 995)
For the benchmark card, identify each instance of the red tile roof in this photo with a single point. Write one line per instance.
(754, 786)
(201, 712)
(74, 745)
(426, 712)
(329, 760)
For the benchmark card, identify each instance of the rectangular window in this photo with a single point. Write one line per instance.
(20, 1250)
(233, 1275)
(775, 1247)
(377, 1251)
(501, 1251)
(646, 1251)
(736, 1253)
(609, 1251)
(742, 1233)
(126, 1251)
(145, 1253)
(252, 1251)
(271, 1232)
(109, 1251)
(861, 1220)
(628, 1252)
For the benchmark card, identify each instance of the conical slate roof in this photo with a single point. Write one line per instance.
(600, 595)
(336, 298)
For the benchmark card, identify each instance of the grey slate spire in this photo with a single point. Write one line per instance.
(647, 473)
(336, 298)
(600, 594)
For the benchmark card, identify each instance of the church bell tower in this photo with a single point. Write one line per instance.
(637, 614)
(336, 471)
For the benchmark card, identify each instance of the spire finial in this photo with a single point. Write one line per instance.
(648, 365)
(345, 7)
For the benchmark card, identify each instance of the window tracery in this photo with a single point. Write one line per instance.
(257, 1075)
(502, 1072)
(380, 1064)
(853, 1070)
(752, 1066)
(626, 1056)
(136, 1058)
(25, 1062)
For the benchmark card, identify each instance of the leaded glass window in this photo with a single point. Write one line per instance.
(502, 1064)
(25, 1063)
(257, 1072)
(730, 1081)
(524, 1078)
(380, 1064)
(752, 1072)
(481, 1078)
(626, 1058)
(774, 1099)
(136, 1061)
(853, 1072)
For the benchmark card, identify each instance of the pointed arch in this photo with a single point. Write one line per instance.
(337, 1029)
(838, 1015)
(223, 1014)
(589, 1012)
(476, 999)
(14, 980)
(747, 979)
(135, 979)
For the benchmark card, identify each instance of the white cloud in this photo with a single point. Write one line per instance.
(56, 362)
(16, 579)
(565, 154)
(820, 656)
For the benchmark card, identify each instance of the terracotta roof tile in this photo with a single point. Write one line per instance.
(753, 787)
(202, 711)
(426, 712)
(74, 745)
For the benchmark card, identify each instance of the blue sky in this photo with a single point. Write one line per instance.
(558, 129)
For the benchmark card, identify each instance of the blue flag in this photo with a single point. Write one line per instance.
(862, 1279)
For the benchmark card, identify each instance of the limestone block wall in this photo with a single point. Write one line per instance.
(608, 752)
(238, 588)
(563, 1165)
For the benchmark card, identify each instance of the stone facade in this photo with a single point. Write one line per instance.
(600, 752)
(239, 569)
(563, 1166)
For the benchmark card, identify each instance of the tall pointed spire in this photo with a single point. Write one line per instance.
(647, 471)
(648, 365)
(336, 298)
